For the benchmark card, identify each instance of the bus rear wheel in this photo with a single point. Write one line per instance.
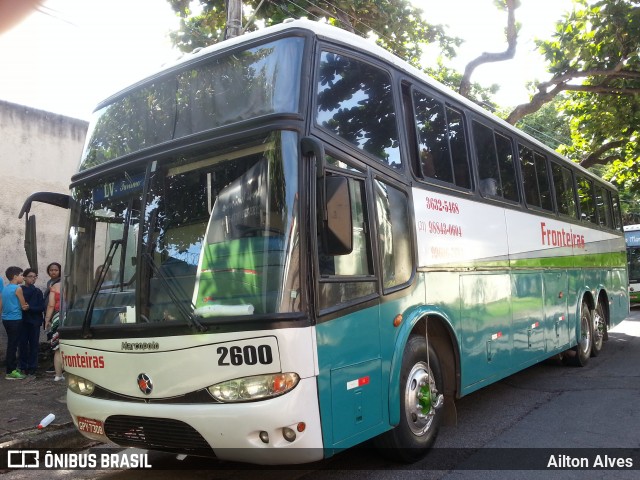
(579, 355)
(599, 330)
(421, 401)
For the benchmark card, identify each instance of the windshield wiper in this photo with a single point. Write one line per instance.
(86, 323)
(193, 319)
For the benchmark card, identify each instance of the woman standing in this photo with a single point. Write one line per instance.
(51, 319)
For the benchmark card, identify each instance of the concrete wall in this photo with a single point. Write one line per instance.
(39, 151)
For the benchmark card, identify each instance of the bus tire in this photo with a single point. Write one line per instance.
(410, 440)
(582, 351)
(599, 330)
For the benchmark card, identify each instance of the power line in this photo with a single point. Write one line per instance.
(55, 14)
(353, 19)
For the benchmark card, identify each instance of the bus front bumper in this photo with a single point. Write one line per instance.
(234, 431)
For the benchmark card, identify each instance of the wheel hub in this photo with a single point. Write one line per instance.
(421, 399)
(598, 331)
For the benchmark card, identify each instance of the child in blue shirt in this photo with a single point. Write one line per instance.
(12, 304)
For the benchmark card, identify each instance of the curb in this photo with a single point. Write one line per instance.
(64, 436)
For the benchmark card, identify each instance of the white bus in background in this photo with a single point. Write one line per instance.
(632, 239)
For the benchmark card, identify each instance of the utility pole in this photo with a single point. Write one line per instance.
(234, 19)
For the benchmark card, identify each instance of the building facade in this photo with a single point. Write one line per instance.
(39, 151)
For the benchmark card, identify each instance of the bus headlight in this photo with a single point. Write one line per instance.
(80, 385)
(254, 388)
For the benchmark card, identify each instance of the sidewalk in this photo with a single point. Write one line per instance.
(26, 402)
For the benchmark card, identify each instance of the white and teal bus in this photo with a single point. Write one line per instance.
(632, 238)
(292, 242)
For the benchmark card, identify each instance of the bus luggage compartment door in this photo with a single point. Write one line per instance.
(355, 403)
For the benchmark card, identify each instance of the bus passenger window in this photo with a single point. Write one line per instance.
(617, 214)
(535, 178)
(507, 167)
(585, 195)
(442, 147)
(355, 103)
(487, 160)
(529, 177)
(458, 148)
(435, 160)
(543, 181)
(564, 190)
(603, 207)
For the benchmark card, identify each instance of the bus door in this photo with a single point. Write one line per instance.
(348, 338)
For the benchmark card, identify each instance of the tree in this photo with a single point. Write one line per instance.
(550, 124)
(511, 33)
(397, 25)
(593, 58)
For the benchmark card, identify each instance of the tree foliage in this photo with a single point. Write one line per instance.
(550, 124)
(397, 25)
(593, 58)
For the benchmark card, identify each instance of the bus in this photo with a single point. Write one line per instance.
(292, 242)
(632, 238)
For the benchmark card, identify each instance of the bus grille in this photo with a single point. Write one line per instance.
(162, 434)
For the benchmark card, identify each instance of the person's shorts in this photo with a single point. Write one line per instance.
(55, 341)
(53, 335)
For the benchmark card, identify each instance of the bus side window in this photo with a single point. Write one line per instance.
(529, 177)
(543, 181)
(355, 103)
(458, 147)
(507, 167)
(603, 207)
(617, 214)
(433, 148)
(442, 146)
(535, 178)
(487, 160)
(586, 197)
(564, 190)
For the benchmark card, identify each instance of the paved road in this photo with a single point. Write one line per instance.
(546, 406)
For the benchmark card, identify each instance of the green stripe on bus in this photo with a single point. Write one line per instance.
(612, 260)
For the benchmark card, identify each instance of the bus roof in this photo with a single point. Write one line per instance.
(631, 228)
(339, 36)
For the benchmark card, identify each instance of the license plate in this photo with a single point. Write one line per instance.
(89, 425)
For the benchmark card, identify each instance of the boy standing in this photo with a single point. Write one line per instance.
(12, 304)
(31, 323)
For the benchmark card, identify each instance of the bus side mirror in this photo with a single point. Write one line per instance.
(338, 231)
(30, 242)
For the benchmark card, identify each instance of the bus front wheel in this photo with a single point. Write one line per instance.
(421, 401)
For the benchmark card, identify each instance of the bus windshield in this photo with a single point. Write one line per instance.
(632, 239)
(633, 257)
(193, 238)
(211, 93)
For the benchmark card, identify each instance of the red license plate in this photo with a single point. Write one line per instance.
(89, 425)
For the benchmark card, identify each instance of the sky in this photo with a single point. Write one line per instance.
(71, 54)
